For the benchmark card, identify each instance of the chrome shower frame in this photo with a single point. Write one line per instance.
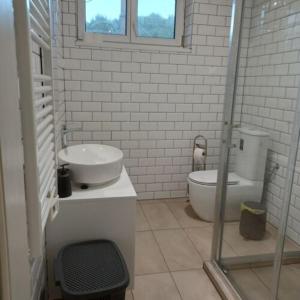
(215, 267)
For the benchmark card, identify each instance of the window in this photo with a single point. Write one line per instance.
(158, 22)
(105, 17)
(156, 19)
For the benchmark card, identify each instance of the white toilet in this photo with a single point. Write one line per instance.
(245, 184)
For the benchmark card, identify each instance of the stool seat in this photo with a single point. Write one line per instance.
(91, 270)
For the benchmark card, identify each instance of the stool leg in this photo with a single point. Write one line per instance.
(119, 296)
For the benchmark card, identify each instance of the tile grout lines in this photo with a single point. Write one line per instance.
(181, 227)
(160, 250)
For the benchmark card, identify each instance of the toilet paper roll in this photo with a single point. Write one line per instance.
(199, 156)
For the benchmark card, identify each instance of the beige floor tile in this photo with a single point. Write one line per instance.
(185, 214)
(250, 247)
(129, 295)
(159, 216)
(265, 275)
(172, 200)
(141, 222)
(155, 287)
(202, 239)
(150, 201)
(289, 288)
(289, 245)
(250, 285)
(247, 247)
(195, 285)
(148, 258)
(178, 250)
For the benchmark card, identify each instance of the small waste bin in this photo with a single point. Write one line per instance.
(91, 270)
(253, 220)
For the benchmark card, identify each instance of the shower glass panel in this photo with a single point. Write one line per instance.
(288, 285)
(261, 95)
(289, 269)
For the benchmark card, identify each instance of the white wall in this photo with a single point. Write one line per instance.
(151, 103)
(14, 243)
(58, 72)
(270, 91)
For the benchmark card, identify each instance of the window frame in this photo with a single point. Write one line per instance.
(131, 35)
(94, 37)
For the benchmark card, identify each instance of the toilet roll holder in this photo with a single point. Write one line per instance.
(199, 142)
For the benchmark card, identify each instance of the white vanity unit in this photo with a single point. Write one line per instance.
(105, 212)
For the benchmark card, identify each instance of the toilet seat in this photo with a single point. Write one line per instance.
(209, 177)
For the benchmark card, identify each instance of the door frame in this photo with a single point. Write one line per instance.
(13, 206)
(4, 266)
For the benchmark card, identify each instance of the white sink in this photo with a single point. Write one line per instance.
(92, 163)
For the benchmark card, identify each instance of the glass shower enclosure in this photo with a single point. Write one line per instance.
(263, 93)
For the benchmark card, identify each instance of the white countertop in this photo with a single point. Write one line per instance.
(122, 188)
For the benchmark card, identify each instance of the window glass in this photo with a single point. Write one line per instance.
(106, 16)
(156, 18)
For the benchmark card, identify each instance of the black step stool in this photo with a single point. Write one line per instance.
(91, 270)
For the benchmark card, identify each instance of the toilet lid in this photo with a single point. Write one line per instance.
(209, 177)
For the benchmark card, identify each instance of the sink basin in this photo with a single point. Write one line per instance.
(92, 163)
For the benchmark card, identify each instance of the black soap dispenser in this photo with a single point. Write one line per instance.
(64, 182)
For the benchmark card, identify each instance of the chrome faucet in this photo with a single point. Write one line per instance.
(64, 132)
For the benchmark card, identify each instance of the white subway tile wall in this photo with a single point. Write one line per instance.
(270, 91)
(151, 103)
(58, 71)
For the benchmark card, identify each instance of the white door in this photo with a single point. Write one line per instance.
(4, 268)
(17, 279)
